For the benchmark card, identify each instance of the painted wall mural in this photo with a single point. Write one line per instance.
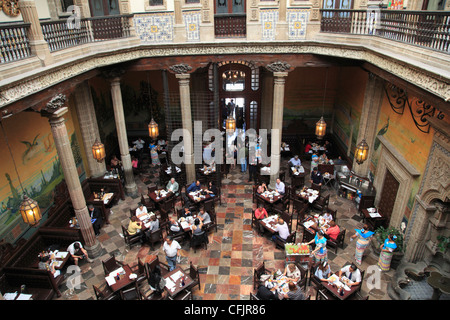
(38, 166)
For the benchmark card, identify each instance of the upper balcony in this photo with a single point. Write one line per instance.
(419, 39)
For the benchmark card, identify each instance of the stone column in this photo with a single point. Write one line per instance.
(185, 101)
(280, 73)
(37, 43)
(55, 111)
(373, 98)
(114, 77)
(89, 128)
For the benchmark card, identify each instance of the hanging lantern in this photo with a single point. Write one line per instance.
(361, 152)
(98, 151)
(230, 123)
(30, 211)
(321, 128)
(153, 130)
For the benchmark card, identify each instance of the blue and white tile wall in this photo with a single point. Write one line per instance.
(154, 28)
(192, 22)
(297, 20)
(269, 19)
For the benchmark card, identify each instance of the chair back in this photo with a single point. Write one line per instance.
(316, 187)
(151, 188)
(132, 293)
(209, 205)
(110, 265)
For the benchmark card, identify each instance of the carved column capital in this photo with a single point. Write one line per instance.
(55, 108)
(278, 66)
(180, 68)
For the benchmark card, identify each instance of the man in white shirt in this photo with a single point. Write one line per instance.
(77, 252)
(171, 248)
(141, 210)
(295, 161)
(139, 143)
(282, 229)
(279, 186)
(352, 273)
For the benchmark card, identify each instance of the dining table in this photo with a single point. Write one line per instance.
(199, 196)
(270, 223)
(174, 281)
(160, 195)
(338, 288)
(59, 258)
(126, 277)
(107, 198)
(270, 196)
(308, 195)
(373, 217)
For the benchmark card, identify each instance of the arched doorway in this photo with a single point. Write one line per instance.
(239, 85)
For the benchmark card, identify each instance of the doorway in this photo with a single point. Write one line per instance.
(239, 87)
(388, 196)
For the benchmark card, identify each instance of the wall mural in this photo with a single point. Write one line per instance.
(33, 148)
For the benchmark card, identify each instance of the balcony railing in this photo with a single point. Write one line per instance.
(14, 44)
(61, 34)
(429, 29)
(230, 26)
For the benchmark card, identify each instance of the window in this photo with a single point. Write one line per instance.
(156, 2)
(65, 4)
(192, 1)
(233, 80)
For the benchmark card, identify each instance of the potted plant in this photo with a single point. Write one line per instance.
(380, 235)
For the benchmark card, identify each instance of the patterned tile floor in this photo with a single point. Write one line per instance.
(226, 267)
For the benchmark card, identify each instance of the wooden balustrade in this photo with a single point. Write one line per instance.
(61, 34)
(14, 44)
(429, 29)
(230, 26)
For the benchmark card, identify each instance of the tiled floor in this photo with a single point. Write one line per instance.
(226, 267)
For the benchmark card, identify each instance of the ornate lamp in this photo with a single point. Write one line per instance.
(98, 151)
(30, 211)
(321, 128)
(230, 123)
(361, 152)
(153, 130)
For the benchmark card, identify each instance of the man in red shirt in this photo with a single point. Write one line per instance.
(261, 213)
(333, 230)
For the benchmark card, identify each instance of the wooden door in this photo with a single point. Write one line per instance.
(388, 196)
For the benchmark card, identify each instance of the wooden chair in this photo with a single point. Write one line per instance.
(333, 214)
(321, 204)
(254, 193)
(303, 282)
(104, 292)
(199, 240)
(151, 188)
(155, 237)
(301, 215)
(279, 243)
(324, 295)
(111, 264)
(183, 295)
(139, 270)
(255, 222)
(149, 294)
(257, 273)
(253, 296)
(358, 296)
(339, 242)
(167, 206)
(213, 224)
(209, 206)
(132, 293)
(150, 267)
(148, 203)
(195, 276)
(130, 239)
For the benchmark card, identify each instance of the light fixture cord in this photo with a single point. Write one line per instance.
(325, 92)
(10, 152)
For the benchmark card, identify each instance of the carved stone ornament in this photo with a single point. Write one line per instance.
(10, 7)
(111, 73)
(278, 66)
(181, 68)
(56, 103)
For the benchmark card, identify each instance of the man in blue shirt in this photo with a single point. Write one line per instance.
(295, 161)
(195, 186)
